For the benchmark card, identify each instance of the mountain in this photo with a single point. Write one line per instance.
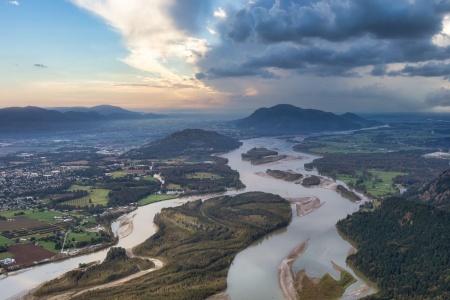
(289, 119)
(360, 121)
(189, 142)
(32, 114)
(110, 111)
(437, 192)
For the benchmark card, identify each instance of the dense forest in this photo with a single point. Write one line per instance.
(404, 247)
(125, 190)
(418, 169)
(189, 142)
(200, 177)
(198, 241)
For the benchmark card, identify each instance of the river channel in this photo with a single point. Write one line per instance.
(253, 273)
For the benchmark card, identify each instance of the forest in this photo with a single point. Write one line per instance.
(200, 177)
(404, 247)
(417, 168)
(198, 241)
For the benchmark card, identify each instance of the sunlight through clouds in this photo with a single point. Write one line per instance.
(150, 36)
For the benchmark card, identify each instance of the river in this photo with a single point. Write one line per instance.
(253, 273)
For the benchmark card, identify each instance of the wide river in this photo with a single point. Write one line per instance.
(253, 273)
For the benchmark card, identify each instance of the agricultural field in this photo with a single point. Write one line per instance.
(46, 216)
(5, 241)
(204, 175)
(97, 196)
(155, 198)
(377, 183)
(118, 174)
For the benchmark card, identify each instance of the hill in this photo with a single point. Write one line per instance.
(110, 111)
(189, 142)
(289, 119)
(360, 121)
(437, 192)
(403, 246)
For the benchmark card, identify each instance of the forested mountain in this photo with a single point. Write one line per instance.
(289, 119)
(32, 117)
(110, 111)
(189, 142)
(437, 192)
(360, 121)
(404, 247)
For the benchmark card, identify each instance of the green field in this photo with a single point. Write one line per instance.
(150, 178)
(173, 187)
(5, 241)
(118, 174)
(204, 175)
(155, 198)
(97, 196)
(379, 184)
(80, 237)
(46, 216)
(369, 141)
(4, 255)
(50, 246)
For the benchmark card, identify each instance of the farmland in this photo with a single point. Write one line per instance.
(95, 196)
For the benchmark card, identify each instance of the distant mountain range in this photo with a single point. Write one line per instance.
(289, 119)
(189, 142)
(21, 118)
(109, 111)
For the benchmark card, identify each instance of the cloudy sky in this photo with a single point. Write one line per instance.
(227, 55)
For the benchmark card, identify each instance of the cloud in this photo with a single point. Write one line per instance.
(156, 33)
(440, 98)
(14, 3)
(328, 37)
(429, 69)
(40, 66)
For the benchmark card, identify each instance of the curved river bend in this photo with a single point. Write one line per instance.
(253, 273)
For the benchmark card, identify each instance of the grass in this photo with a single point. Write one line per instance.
(46, 216)
(98, 196)
(4, 255)
(204, 175)
(50, 246)
(150, 178)
(155, 198)
(118, 174)
(172, 186)
(80, 237)
(327, 287)
(5, 241)
(374, 188)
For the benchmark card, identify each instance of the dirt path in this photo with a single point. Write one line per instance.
(286, 274)
(74, 293)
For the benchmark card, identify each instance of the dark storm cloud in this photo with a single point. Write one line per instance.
(440, 98)
(336, 20)
(239, 71)
(330, 37)
(200, 76)
(431, 69)
(379, 70)
(189, 15)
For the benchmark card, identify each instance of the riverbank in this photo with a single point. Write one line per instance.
(286, 276)
(306, 205)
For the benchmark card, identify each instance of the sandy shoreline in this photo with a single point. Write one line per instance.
(27, 295)
(126, 226)
(286, 274)
(306, 205)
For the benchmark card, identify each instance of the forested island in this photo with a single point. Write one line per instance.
(198, 241)
(259, 156)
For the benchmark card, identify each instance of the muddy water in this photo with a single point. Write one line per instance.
(253, 274)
